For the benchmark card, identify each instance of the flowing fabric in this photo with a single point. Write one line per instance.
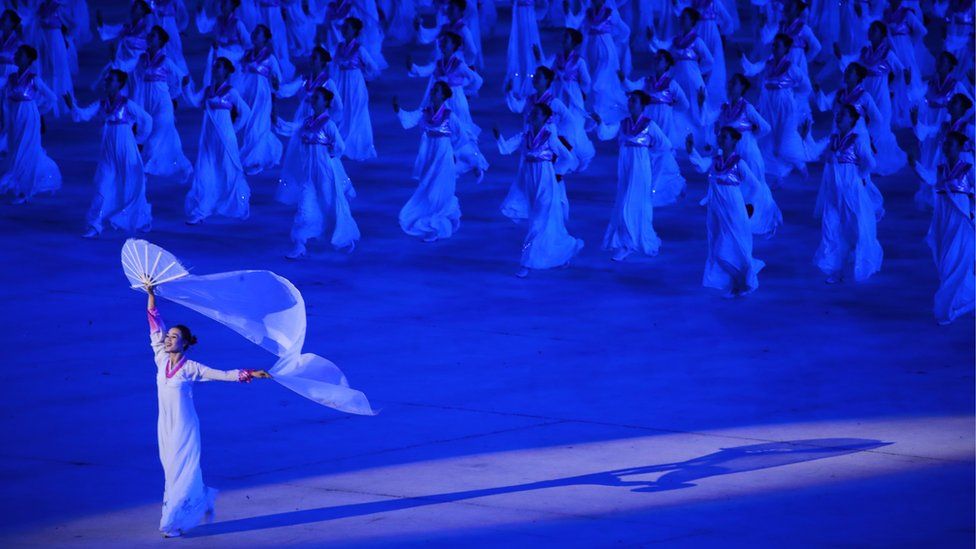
(951, 238)
(27, 169)
(276, 322)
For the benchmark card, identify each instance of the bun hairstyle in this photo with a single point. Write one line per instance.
(858, 69)
(264, 31)
(546, 73)
(454, 38)
(143, 6)
(692, 13)
(784, 39)
(879, 27)
(160, 33)
(546, 110)
(958, 138)
(326, 94)
(575, 35)
(29, 51)
(323, 54)
(12, 15)
(735, 134)
(666, 55)
(224, 62)
(963, 100)
(355, 23)
(444, 88)
(851, 112)
(642, 96)
(188, 338)
(120, 76)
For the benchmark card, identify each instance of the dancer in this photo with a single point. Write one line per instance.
(960, 119)
(606, 46)
(171, 15)
(881, 62)
(667, 109)
(907, 34)
(231, 37)
(569, 124)
(928, 118)
(53, 46)
(271, 15)
(219, 185)
(260, 148)
(783, 147)
(130, 37)
(432, 213)
(692, 59)
(452, 21)
(571, 85)
(524, 45)
(10, 39)
(849, 227)
(156, 80)
(27, 169)
(764, 214)
(730, 265)
(315, 180)
(951, 234)
(631, 227)
(355, 65)
(451, 68)
(120, 179)
(539, 194)
(186, 500)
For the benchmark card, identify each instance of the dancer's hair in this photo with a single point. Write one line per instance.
(444, 87)
(860, 70)
(264, 30)
(962, 98)
(323, 54)
(880, 27)
(735, 134)
(742, 81)
(160, 33)
(959, 137)
(575, 35)
(355, 23)
(461, 4)
(785, 39)
(693, 13)
(226, 63)
(12, 15)
(546, 73)
(666, 55)
(544, 109)
(852, 112)
(641, 95)
(326, 94)
(189, 339)
(142, 4)
(234, 3)
(120, 76)
(29, 51)
(948, 56)
(454, 38)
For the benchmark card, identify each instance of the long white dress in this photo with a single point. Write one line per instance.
(219, 185)
(120, 178)
(849, 234)
(314, 180)
(186, 500)
(53, 62)
(433, 212)
(605, 44)
(260, 148)
(462, 80)
(155, 83)
(230, 36)
(668, 100)
(631, 226)
(27, 169)
(524, 37)
(952, 240)
(172, 16)
(730, 265)
(354, 65)
(537, 195)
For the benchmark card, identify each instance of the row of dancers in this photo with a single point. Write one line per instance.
(876, 76)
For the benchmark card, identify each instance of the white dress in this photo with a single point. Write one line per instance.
(27, 169)
(186, 500)
(951, 238)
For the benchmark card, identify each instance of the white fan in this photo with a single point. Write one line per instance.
(145, 264)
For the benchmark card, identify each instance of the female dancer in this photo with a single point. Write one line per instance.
(451, 68)
(764, 215)
(453, 21)
(730, 265)
(186, 500)
(10, 39)
(120, 179)
(52, 46)
(668, 104)
(524, 45)
(156, 80)
(960, 119)
(171, 15)
(928, 118)
(130, 37)
(27, 169)
(570, 124)
(692, 59)
(951, 234)
(880, 61)
(607, 50)
(539, 194)
(316, 173)
(571, 85)
(355, 65)
(432, 213)
(260, 148)
(219, 186)
(231, 37)
(907, 32)
(631, 227)
(849, 226)
(271, 16)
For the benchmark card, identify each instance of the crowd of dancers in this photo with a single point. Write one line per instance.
(746, 117)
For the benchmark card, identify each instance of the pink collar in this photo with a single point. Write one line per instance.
(179, 366)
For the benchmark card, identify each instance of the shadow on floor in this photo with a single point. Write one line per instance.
(679, 475)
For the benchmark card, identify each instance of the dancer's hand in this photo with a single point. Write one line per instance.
(396, 105)
(98, 18)
(496, 133)
(261, 374)
(68, 100)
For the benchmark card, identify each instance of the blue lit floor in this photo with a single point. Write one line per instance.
(601, 405)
